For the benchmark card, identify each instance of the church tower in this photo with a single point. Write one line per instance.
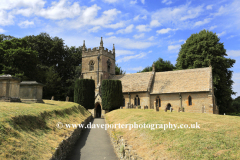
(98, 63)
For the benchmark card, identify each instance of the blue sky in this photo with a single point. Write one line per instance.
(142, 30)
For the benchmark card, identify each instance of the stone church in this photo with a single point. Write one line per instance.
(189, 90)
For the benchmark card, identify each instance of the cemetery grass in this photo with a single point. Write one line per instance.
(217, 138)
(28, 130)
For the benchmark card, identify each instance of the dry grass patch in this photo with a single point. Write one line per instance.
(28, 131)
(217, 138)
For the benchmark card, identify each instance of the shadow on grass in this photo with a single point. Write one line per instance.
(31, 122)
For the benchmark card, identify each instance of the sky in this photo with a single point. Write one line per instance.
(142, 30)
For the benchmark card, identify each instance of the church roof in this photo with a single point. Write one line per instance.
(189, 80)
(136, 82)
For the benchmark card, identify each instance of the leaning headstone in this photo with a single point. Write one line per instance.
(52, 98)
(67, 99)
(171, 109)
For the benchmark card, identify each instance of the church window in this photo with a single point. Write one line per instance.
(158, 102)
(91, 66)
(189, 100)
(137, 101)
(108, 65)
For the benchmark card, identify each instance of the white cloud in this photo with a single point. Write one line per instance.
(233, 53)
(128, 29)
(94, 29)
(92, 0)
(109, 33)
(212, 27)
(25, 24)
(150, 51)
(136, 68)
(57, 10)
(110, 1)
(174, 47)
(167, 2)
(177, 16)
(221, 34)
(205, 21)
(166, 30)
(143, 1)
(231, 36)
(143, 28)
(144, 17)
(116, 25)
(209, 7)
(137, 36)
(6, 18)
(127, 58)
(151, 38)
(136, 18)
(133, 2)
(155, 23)
(2, 30)
(128, 43)
(123, 52)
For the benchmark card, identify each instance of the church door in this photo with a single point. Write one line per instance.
(98, 111)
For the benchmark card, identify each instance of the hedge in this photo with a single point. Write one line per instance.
(84, 93)
(112, 96)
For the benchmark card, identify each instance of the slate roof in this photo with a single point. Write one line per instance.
(189, 80)
(136, 82)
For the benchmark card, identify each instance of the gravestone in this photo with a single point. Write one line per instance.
(52, 98)
(9, 88)
(171, 109)
(67, 99)
(31, 91)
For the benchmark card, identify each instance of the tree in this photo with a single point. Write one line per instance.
(203, 49)
(54, 57)
(84, 93)
(119, 71)
(236, 105)
(17, 59)
(160, 66)
(112, 96)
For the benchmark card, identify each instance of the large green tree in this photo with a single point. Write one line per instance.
(160, 66)
(17, 59)
(203, 49)
(118, 70)
(58, 63)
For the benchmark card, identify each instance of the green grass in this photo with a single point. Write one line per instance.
(28, 130)
(217, 138)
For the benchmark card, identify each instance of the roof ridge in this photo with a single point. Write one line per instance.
(191, 69)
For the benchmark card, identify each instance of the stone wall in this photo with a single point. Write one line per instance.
(123, 150)
(201, 102)
(66, 146)
(144, 98)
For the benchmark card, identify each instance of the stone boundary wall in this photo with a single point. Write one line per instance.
(66, 146)
(121, 147)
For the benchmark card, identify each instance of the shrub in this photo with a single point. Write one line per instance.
(84, 93)
(112, 96)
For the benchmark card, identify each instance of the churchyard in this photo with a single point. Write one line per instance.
(217, 138)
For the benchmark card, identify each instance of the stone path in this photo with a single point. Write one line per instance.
(94, 144)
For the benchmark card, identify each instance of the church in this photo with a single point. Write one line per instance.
(189, 90)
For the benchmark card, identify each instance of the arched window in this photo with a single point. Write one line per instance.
(137, 101)
(158, 102)
(91, 66)
(189, 100)
(108, 65)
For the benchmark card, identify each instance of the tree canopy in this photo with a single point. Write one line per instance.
(203, 49)
(160, 66)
